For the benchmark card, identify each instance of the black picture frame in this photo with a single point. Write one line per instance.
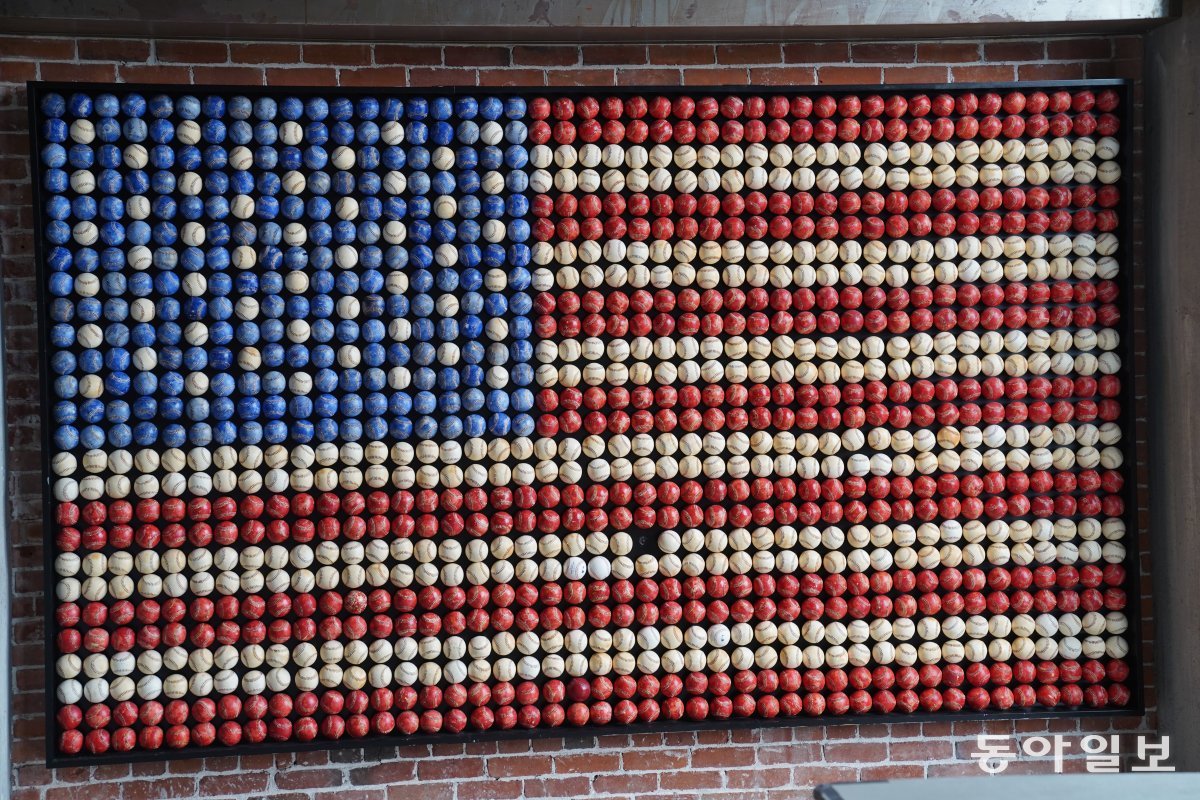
(1132, 272)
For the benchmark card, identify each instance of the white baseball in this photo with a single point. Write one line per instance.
(190, 184)
(138, 207)
(136, 156)
(1107, 148)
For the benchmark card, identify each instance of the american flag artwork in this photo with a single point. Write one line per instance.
(401, 416)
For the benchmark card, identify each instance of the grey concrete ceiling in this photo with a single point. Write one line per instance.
(562, 21)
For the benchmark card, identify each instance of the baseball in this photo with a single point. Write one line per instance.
(1108, 172)
(190, 184)
(240, 158)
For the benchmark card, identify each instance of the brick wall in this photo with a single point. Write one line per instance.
(774, 763)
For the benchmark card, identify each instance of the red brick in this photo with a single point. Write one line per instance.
(1049, 72)
(587, 762)
(577, 786)
(386, 772)
(624, 784)
(883, 53)
(373, 76)
(70, 775)
(488, 790)
(581, 77)
(1016, 50)
(154, 790)
(476, 56)
(444, 750)
(868, 76)
(370, 755)
(1075, 766)
(921, 750)
(25, 47)
(437, 76)
(110, 772)
(1131, 723)
(977, 727)
(891, 772)
(359, 794)
(264, 53)
(302, 76)
(154, 73)
(970, 768)
(638, 76)
(512, 77)
(614, 54)
(517, 766)
(545, 55)
(251, 763)
(937, 729)
(18, 71)
(308, 778)
(221, 764)
(25, 678)
(855, 752)
(783, 76)
(760, 735)
(1055, 726)
(1079, 49)
(711, 757)
(22, 703)
(916, 74)
(990, 73)
(243, 784)
(816, 52)
(716, 76)
(98, 73)
(248, 76)
(547, 745)
(682, 54)
(760, 778)
(427, 791)
(185, 766)
(438, 769)
(28, 751)
(189, 52)
(408, 54)
(691, 779)
(902, 730)
(638, 760)
(352, 55)
(99, 791)
(799, 753)
(823, 773)
(643, 741)
(748, 54)
(124, 50)
(957, 52)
